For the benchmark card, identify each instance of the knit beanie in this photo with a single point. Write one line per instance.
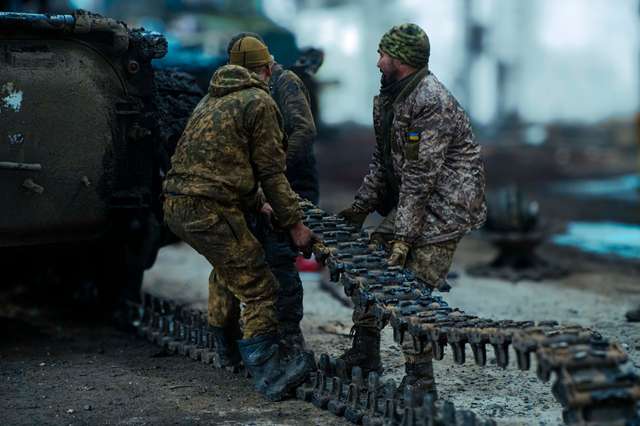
(407, 43)
(249, 52)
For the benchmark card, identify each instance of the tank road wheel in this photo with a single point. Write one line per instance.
(120, 278)
(124, 262)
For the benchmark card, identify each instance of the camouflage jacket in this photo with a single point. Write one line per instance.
(232, 143)
(434, 162)
(292, 99)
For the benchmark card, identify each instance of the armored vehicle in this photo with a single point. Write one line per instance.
(87, 128)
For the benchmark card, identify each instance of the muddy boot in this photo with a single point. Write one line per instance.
(224, 347)
(420, 377)
(274, 378)
(291, 340)
(365, 352)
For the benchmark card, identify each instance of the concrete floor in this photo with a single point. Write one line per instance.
(593, 295)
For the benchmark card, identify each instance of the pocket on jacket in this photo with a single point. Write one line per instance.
(411, 144)
(412, 150)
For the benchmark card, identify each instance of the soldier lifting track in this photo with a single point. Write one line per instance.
(231, 147)
(292, 99)
(426, 177)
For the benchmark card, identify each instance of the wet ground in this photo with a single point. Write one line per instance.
(57, 371)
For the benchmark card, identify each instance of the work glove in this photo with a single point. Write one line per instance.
(399, 253)
(303, 238)
(378, 240)
(354, 216)
(321, 251)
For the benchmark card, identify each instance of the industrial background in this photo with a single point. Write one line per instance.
(553, 90)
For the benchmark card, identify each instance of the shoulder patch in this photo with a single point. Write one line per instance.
(412, 147)
(413, 136)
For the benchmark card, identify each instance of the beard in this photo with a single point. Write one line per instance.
(389, 76)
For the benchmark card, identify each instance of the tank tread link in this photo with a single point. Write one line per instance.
(593, 382)
(183, 331)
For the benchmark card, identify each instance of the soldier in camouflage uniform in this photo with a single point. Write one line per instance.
(232, 144)
(426, 177)
(292, 99)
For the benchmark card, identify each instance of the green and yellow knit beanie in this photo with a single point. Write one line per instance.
(407, 43)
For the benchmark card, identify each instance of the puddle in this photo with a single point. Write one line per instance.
(12, 98)
(624, 188)
(620, 239)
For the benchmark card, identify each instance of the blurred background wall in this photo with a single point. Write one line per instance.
(552, 86)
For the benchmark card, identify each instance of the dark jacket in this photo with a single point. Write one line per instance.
(292, 99)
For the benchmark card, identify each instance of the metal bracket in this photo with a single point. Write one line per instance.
(9, 165)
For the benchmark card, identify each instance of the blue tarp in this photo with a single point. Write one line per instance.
(606, 238)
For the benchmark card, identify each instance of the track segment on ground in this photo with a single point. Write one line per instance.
(593, 381)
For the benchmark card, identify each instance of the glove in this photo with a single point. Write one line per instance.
(321, 251)
(354, 216)
(399, 253)
(377, 240)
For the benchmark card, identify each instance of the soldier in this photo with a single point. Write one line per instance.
(292, 99)
(232, 144)
(426, 177)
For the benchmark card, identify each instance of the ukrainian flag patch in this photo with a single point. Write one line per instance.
(413, 136)
(412, 147)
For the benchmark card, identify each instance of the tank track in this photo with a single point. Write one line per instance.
(184, 331)
(593, 382)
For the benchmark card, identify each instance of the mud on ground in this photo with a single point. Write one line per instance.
(58, 371)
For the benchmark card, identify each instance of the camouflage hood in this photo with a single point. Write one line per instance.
(232, 78)
(232, 144)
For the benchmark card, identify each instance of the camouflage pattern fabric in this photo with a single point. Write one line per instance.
(437, 163)
(223, 307)
(430, 263)
(222, 236)
(281, 256)
(408, 43)
(232, 147)
(232, 144)
(292, 99)
(413, 357)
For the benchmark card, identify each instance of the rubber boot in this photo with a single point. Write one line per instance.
(224, 347)
(420, 377)
(291, 340)
(365, 351)
(274, 378)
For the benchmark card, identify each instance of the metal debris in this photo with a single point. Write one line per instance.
(514, 228)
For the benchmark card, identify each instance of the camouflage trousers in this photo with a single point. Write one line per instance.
(430, 263)
(240, 275)
(281, 257)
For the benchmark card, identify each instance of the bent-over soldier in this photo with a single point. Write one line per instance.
(233, 144)
(292, 99)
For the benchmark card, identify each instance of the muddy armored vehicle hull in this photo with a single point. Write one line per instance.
(87, 128)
